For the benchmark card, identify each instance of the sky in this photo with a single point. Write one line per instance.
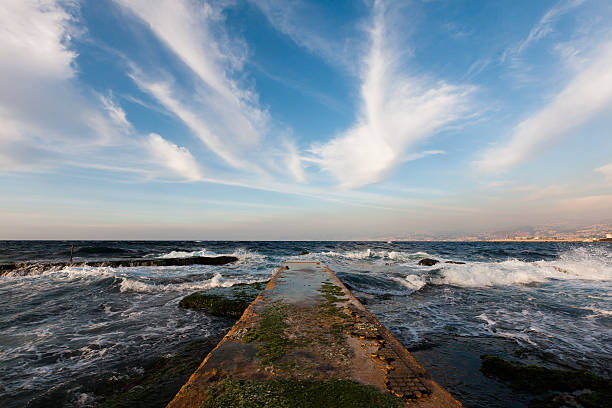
(275, 119)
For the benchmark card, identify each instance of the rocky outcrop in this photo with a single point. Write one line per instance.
(31, 268)
(428, 262)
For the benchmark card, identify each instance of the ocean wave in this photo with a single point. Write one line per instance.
(413, 282)
(186, 254)
(597, 311)
(93, 250)
(217, 281)
(241, 253)
(482, 274)
(35, 269)
(373, 254)
(594, 264)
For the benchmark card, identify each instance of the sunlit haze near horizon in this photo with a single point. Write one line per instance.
(270, 119)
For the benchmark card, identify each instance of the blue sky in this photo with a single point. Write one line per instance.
(270, 119)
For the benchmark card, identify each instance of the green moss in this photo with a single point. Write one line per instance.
(298, 394)
(270, 332)
(247, 292)
(596, 399)
(332, 295)
(215, 304)
(537, 379)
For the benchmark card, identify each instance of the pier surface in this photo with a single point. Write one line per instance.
(307, 341)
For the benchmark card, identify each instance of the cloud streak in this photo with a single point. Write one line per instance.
(178, 159)
(218, 108)
(544, 27)
(587, 94)
(398, 111)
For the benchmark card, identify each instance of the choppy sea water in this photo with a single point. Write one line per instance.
(60, 324)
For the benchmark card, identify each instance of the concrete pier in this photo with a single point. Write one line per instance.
(306, 333)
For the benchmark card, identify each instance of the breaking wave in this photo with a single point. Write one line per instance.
(373, 255)
(217, 281)
(577, 264)
(240, 253)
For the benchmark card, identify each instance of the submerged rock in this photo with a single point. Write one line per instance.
(215, 305)
(225, 302)
(303, 253)
(537, 380)
(455, 262)
(428, 262)
(30, 268)
(153, 387)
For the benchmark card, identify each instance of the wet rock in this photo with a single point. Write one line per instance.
(537, 380)
(161, 378)
(455, 262)
(303, 253)
(428, 262)
(225, 302)
(215, 305)
(29, 268)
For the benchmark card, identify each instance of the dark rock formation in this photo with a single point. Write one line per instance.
(225, 302)
(455, 262)
(31, 268)
(214, 304)
(428, 262)
(539, 380)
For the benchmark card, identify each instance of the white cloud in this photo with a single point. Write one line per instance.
(47, 120)
(224, 107)
(33, 39)
(37, 71)
(163, 93)
(222, 112)
(606, 170)
(398, 111)
(587, 94)
(178, 159)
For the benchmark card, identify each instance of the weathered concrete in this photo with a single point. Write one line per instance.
(306, 325)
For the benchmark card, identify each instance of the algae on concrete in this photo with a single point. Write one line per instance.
(270, 333)
(288, 393)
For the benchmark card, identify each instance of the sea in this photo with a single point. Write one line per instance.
(543, 303)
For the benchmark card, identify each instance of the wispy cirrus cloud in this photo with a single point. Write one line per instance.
(303, 22)
(586, 94)
(544, 27)
(47, 120)
(398, 111)
(219, 109)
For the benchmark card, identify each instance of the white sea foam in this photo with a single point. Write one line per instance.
(186, 254)
(217, 281)
(373, 254)
(414, 282)
(598, 312)
(576, 264)
(240, 253)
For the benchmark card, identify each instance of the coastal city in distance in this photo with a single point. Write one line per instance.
(601, 232)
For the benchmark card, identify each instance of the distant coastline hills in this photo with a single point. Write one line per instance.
(601, 232)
